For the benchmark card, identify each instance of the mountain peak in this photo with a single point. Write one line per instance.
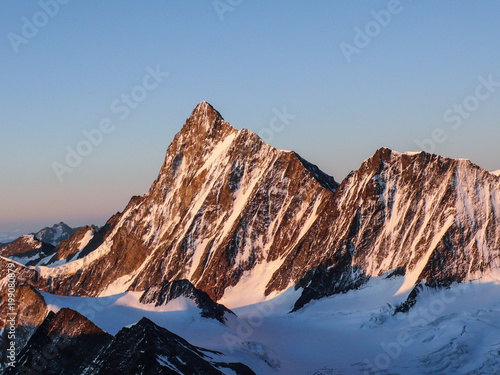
(205, 120)
(388, 156)
(205, 107)
(55, 234)
(381, 157)
(385, 155)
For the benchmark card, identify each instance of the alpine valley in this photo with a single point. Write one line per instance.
(244, 259)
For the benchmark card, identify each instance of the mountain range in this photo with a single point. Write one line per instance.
(233, 222)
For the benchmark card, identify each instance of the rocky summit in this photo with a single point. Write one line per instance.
(224, 202)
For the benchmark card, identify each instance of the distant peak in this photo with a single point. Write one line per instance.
(382, 156)
(384, 151)
(386, 154)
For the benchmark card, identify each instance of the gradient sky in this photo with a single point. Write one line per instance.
(263, 56)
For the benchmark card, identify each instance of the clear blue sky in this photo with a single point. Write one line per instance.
(263, 55)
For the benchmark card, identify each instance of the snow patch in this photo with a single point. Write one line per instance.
(75, 265)
(412, 276)
(86, 239)
(132, 299)
(219, 150)
(251, 287)
(118, 286)
(412, 153)
(342, 334)
(30, 240)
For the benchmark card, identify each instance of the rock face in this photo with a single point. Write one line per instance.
(148, 349)
(64, 343)
(29, 311)
(23, 274)
(435, 218)
(223, 203)
(169, 291)
(326, 281)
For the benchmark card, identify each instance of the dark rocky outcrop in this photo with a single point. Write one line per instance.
(148, 349)
(169, 291)
(64, 343)
(28, 312)
(323, 282)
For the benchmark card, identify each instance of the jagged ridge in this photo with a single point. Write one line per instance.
(225, 203)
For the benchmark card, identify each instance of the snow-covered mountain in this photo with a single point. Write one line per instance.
(27, 250)
(235, 216)
(433, 219)
(231, 221)
(224, 200)
(448, 331)
(31, 251)
(55, 234)
(496, 173)
(72, 247)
